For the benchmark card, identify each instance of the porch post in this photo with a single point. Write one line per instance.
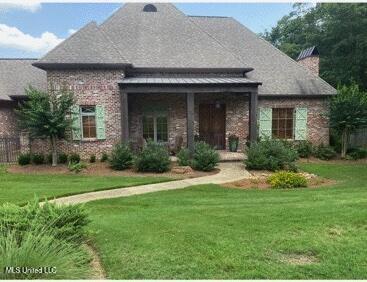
(124, 117)
(253, 115)
(190, 102)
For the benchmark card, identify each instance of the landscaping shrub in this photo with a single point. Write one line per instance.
(183, 157)
(49, 158)
(42, 250)
(24, 159)
(68, 221)
(92, 159)
(104, 157)
(304, 148)
(47, 235)
(153, 158)
(38, 159)
(325, 152)
(63, 158)
(287, 179)
(121, 157)
(271, 155)
(77, 167)
(357, 153)
(74, 158)
(205, 158)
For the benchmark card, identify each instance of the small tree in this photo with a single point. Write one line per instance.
(348, 112)
(45, 116)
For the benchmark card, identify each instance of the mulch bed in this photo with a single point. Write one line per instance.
(101, 169)
(258, 181)
(314, 160)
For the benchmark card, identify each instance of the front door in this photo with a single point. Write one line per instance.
(212, 120)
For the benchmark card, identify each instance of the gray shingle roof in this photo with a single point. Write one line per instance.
(16, 75)
(89, 45)
(166, 38)
(187, 80)
(279, 73)
(308, 53)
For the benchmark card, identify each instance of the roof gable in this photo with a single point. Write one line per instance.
(165, 39)
(89, 45)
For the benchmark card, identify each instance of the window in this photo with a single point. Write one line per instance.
(88, 114)
(282, 123)
(155, 127)
(150, 8)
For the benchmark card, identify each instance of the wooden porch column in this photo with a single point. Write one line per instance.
(253, 116)
(190, 104)
(124, 117)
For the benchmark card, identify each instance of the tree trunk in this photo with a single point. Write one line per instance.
(54, 152)
(344, 142)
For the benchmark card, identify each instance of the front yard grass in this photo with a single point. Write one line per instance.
(20, 188)
(211, 232)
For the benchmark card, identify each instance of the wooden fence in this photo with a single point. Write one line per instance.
(9, 149)
(359, 138)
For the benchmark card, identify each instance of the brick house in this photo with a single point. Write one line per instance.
(150, 71)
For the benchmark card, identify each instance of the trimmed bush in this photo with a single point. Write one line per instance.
(233, 143)
(205, 158)
(303, 148)
(24, 159)
(74, 158)
(357, 153)
(92, 159)
(153, 158)
(49, 158)
(63, 158)
(183, 157)
(286, 179)
(271, 155)
(77, 167)
(37, 159)
(325, 152)
(121, 157)
(104, 157)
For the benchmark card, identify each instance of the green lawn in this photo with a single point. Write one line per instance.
(210, 232)
(19, 188)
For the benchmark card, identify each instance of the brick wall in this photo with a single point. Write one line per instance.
(95, 87)
(8, 121)
(311, 63)
(317, 122)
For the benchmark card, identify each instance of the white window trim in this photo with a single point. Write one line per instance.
(81, 122)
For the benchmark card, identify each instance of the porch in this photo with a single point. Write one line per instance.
(181, 110)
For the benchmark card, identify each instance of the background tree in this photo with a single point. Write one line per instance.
(45, 116)
(348, 112)
(339, 32)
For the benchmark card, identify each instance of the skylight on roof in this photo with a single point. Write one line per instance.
(150, 8)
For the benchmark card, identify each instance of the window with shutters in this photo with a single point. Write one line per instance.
(155, 127)
(282, 123)
(88, 119)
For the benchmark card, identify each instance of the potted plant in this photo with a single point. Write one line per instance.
(233, 143)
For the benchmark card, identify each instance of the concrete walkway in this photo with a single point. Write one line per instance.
(229, 171)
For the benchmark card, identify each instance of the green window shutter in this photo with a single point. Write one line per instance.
(76, 125)
(265, 122)
(300, 126)
(100, 122)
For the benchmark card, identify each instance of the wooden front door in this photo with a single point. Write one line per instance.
(212, 121)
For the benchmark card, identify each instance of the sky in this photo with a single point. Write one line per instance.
(29, 30)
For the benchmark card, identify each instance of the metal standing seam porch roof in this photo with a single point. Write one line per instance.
(189, 80)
